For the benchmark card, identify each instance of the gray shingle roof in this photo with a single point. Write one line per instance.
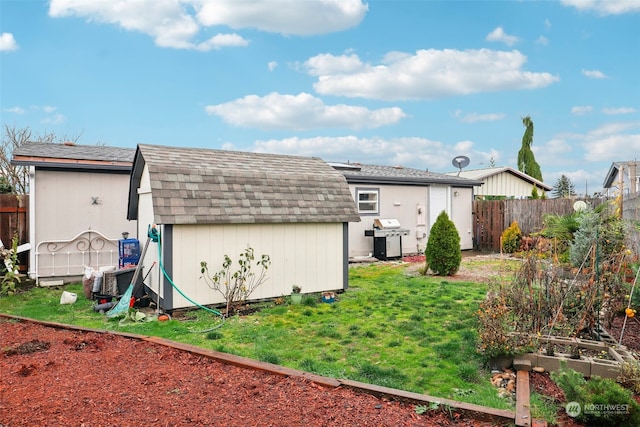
(39, 151)
(377, 174)
(204, 186)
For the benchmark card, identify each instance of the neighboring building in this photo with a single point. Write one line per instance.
(211, 203)
(503, 182)
(616, 180)
(77, 206)
(413, 197)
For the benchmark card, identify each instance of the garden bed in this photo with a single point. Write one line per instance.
(57, 376)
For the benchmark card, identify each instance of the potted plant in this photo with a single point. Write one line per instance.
(296, 296)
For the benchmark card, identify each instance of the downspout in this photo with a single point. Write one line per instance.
(33, 259)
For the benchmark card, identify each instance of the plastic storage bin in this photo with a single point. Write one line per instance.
(129, 251)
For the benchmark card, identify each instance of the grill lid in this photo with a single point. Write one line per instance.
(386, 224)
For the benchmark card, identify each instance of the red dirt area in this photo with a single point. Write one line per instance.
(630, 332)
(60, 377)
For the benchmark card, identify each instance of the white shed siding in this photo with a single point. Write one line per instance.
(309, 255)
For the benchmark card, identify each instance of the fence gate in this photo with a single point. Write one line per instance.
(14, 219)
(488, 219)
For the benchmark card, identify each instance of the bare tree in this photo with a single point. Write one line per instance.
(17, 177)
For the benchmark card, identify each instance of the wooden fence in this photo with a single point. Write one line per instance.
(14, 219)
(492, 217)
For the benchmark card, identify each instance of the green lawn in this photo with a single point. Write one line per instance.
(390, 328)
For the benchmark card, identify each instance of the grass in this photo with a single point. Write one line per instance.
(389, 328)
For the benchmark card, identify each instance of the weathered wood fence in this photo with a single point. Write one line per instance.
(14, 219)
(492, 217)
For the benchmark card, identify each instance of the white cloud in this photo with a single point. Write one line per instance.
(427, 74)
(301, 112)
(326, 64)
(542, 40)
(620, 110)
(612, 142)
(415, 152)
(605, 7)
(54, 119)
(221, 40)
(7, 42)
(272, 65)
(581, 110)
(547, 24)
(177, 23)
(475, 117)
(498, 35)
(291, 17)
(594, 74)
(15, 110)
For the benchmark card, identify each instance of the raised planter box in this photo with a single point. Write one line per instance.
(587, 366)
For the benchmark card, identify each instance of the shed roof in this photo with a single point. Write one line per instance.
(204, 186)
(481, 174)
(73, 156)
(357, 173)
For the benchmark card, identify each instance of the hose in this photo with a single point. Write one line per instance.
(173, 285)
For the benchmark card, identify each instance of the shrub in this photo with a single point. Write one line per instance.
(236, 286)
(603, 401)
(443, 255)
(511, 238)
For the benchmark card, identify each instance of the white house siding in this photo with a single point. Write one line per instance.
(416, 208)
(308, 255)
(505, 184)
(396, 201)
(67, 199)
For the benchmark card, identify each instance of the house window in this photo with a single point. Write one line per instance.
(368, 201)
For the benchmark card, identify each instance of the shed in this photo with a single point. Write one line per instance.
(77, 206)
(414, 197)
(211, 203)
(504, 182)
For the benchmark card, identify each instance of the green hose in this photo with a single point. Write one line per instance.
(156, 238)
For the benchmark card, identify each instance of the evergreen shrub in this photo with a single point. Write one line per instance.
(511, 238)
(443, 255)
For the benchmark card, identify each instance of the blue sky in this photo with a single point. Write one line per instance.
(394, 82)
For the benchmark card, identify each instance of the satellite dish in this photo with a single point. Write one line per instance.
(579, 206)
(460, 162)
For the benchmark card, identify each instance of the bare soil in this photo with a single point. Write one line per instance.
(60, 377)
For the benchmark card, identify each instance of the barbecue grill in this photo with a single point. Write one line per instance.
(387, 238)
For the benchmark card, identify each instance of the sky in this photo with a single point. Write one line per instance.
(387, 82)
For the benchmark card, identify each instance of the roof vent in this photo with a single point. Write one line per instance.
(69, 143)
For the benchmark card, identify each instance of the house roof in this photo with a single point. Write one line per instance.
(482, 174)
(614, 169)
(357, 173)
(72, 156)
(204, 186)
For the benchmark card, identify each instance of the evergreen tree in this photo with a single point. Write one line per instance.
(443, 253)
(564, 187)
(526, 160)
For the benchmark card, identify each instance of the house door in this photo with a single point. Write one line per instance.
(437, 203)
